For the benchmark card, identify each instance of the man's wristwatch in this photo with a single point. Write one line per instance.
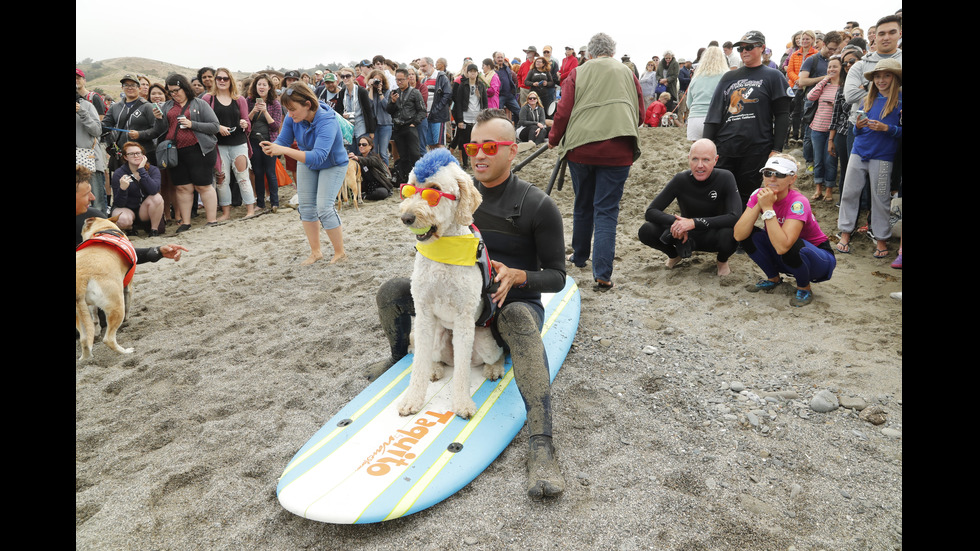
(768, 214)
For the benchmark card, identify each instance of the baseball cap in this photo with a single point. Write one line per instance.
(751, 37)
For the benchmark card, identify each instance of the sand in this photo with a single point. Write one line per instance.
(682, 414)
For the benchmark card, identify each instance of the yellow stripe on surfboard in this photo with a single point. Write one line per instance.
(423, 482)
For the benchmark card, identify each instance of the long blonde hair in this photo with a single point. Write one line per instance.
(892, 97)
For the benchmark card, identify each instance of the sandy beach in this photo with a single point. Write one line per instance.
(683, 415)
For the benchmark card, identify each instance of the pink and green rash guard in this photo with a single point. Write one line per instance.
(795, 206)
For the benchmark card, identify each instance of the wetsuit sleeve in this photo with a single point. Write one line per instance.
(655, 212)
(549, 239)
(149, 254)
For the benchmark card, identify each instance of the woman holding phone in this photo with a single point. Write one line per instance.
(321, 164)
(265, 112)
(192, 125)
(233, 147)
(877, 134)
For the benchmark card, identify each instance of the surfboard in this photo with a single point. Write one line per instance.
(369, 464)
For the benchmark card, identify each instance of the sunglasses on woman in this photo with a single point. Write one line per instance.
(773, 173)
(430, 195)
(490, 148)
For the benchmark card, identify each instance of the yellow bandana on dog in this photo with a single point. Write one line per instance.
(459, 250)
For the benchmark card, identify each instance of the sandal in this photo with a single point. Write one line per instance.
(880, 253)
(844, 247)
(601, 285)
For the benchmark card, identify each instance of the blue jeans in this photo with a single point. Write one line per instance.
(317, 190)
(382, 135)
(804, 261)
(510, 103)
(598, 190)
(824, 166)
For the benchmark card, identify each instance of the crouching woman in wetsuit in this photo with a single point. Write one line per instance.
(792, 241)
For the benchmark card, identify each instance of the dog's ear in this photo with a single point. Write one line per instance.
(114, 219)
(469, 199)
(88, 224)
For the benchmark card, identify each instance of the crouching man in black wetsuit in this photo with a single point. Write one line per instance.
(709, 204)
(522, 228)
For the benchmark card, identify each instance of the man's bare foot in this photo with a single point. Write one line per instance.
(671, 262)
(312, 258)
(223, 218)
(338, 258)
(544, 478)
(724, 269)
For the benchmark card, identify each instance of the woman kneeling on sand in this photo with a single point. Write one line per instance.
(792, 241)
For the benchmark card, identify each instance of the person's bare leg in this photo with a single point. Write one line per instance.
(312, 230)
(336, 237)
(210, 200)
(724, 269)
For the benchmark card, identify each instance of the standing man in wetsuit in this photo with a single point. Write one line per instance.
(522, 228)
(709, 204)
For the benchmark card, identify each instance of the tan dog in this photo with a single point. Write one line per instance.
(102, 270)
(352, 182)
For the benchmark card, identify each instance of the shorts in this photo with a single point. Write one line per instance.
(193, 168)
(435, 133)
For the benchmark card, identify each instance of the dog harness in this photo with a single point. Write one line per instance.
(116, 240)
(466, 250)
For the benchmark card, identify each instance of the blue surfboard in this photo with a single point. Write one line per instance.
(369, 464)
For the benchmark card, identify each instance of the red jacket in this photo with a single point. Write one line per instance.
(654, 113)
(567, 64)
(522, 74)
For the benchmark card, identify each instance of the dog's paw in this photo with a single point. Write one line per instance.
(125, 350)
(408, 407)
(437, 371)
(464, 408)
(493, 371)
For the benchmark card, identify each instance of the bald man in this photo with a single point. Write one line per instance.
(709, 203)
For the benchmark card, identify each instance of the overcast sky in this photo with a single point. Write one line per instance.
(249, 35)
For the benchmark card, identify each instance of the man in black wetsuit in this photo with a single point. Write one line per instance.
(709, 204)
(522, 228)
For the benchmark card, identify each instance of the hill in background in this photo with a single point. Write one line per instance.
(103, 76)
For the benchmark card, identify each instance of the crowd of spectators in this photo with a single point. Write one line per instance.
(390, 113)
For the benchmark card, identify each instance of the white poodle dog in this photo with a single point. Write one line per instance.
(447, 283)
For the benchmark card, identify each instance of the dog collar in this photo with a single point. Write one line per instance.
(459, 250)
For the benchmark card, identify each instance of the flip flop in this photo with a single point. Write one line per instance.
(880, 253)
(844, 247)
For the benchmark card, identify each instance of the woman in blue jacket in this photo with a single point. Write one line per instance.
(877, 134)
(321, 163)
